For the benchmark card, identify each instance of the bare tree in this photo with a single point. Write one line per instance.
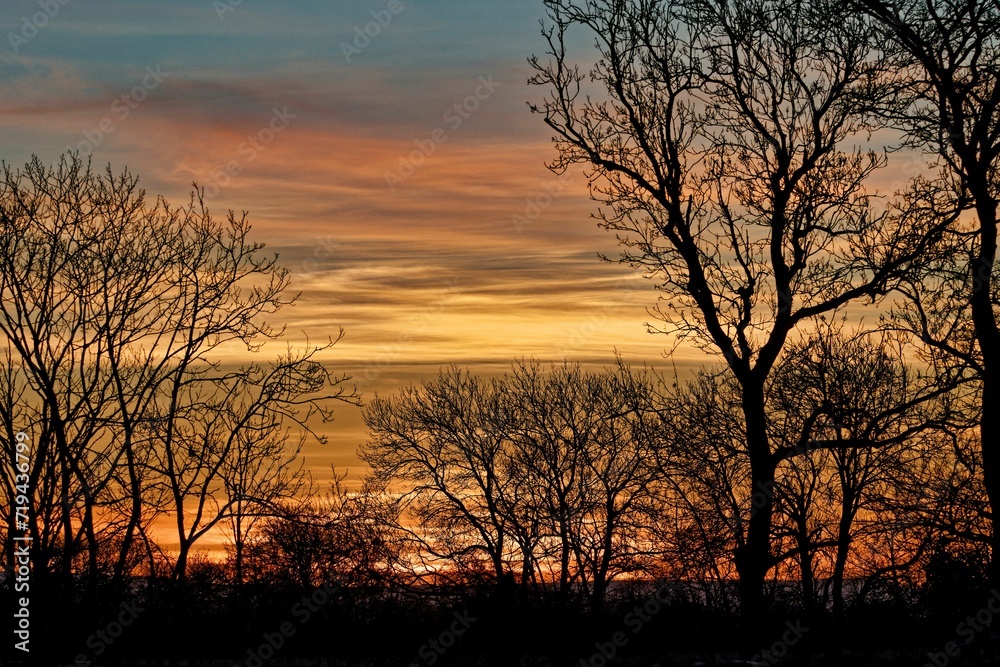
(61, 228)
(114, 312)
(850, 423)
(721, 139)
(855, 398)
(222, 451)
(555, 420)
(949, 59)
(547, 476)
(342, 536)
(442, 447)
(584, 445)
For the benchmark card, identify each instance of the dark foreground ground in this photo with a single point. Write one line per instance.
(901, 657)
(844, 659)
(468, 629)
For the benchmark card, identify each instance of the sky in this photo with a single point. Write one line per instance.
(384, 149)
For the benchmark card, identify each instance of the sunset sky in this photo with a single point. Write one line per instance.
(394, 207)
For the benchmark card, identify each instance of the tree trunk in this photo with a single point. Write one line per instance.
(753, 560)
(807, 576)
(180, 567)
(135, 513)
(527, 568)
(843, 549)
(988, 337)
(990, 434)
(238, 560)
(600, 591)
(564, 555)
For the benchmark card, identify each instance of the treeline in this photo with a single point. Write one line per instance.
(547, 499)
(557, 500)
(553, 484)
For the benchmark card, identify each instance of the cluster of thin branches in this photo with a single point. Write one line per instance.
(116, 318)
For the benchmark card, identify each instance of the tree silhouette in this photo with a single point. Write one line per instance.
(852, 425)
(855, 398)
(115, 313)
(723, 152)
(538, 478)
(947, 55)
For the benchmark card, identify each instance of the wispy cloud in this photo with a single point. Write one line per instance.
(431, 273)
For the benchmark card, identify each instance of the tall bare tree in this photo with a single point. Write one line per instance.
(722, 140)
(948, 56)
